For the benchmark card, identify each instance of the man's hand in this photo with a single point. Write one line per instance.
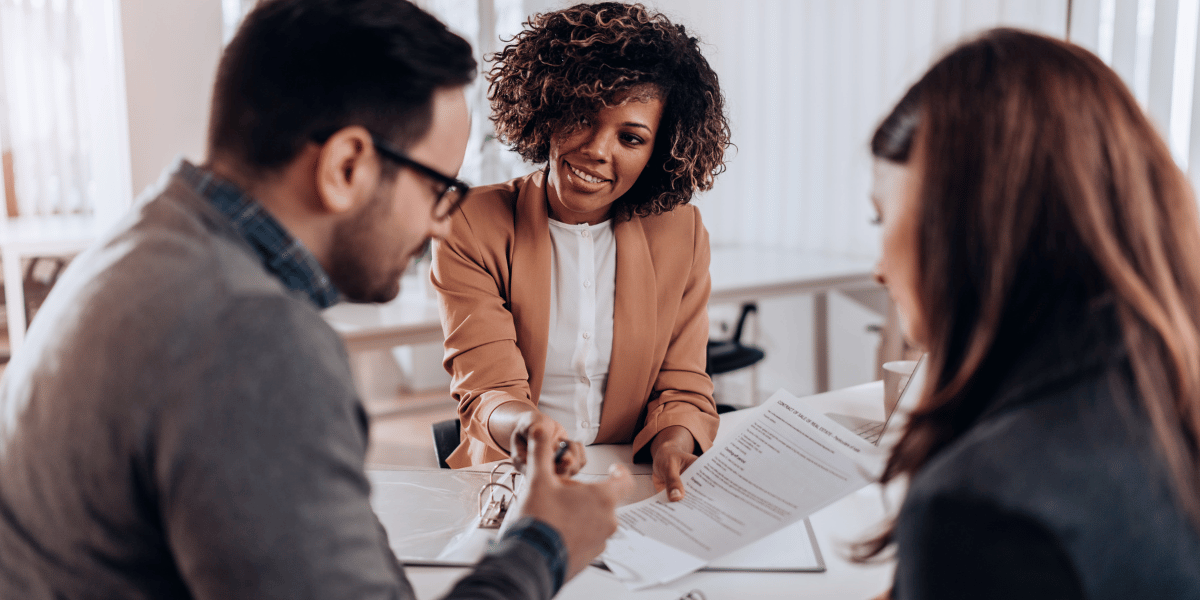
(530, 421)
(671, 451)
(582, 513)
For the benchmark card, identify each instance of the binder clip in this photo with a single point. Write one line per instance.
(491, 513)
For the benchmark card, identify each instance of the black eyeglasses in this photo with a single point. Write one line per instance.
(453, 190)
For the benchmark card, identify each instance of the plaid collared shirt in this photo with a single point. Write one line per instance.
(282, 255)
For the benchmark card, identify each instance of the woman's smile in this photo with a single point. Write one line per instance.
(581, 176)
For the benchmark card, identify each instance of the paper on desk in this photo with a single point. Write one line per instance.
(781, 464)
(598, 583)
(641, 561)
(791, 549)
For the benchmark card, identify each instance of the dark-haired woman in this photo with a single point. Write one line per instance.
(575, 298)
(1043, 247)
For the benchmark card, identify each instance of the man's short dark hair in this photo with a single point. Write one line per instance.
(300, 70)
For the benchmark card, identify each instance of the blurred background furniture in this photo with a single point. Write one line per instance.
(727, 356)
(33, 237)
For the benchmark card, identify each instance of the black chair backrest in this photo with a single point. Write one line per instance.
(747, 308)
(729, 355)
(446, 436)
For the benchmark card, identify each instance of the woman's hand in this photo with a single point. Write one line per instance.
(671, 451)
(532, 422)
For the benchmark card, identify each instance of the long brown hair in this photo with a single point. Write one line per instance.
(1044, 186)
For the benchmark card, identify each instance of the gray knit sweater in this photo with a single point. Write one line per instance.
(180, 425)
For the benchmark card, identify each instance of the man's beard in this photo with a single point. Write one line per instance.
(356, 250)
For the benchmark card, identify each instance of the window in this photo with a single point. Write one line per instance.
(1152, 45)
(483, 23)
(63, 124)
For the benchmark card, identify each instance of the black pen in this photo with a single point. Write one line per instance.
(563, 446)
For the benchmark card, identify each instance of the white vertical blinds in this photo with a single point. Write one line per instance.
(1183, 80)
(1152, 45)
(63, 114)
(806, 83)
(110, 189)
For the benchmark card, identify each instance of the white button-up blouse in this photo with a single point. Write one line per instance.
(583, 271)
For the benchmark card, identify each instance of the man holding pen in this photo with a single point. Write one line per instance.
(181, 422)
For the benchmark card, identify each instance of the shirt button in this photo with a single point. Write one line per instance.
(586, 335)
(583, 379)
(587, 283)
(584, 424)
(585, 233)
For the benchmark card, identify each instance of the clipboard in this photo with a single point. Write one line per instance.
(423, 510)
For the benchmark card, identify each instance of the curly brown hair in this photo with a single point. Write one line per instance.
(566, 66)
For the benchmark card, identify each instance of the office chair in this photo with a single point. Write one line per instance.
(446, 436)
(732, 355)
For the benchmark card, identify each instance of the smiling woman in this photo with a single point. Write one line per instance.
(575, 298)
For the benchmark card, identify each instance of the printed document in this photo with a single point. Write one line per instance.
(780, 464)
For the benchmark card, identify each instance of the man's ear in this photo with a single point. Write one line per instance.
(347, 170)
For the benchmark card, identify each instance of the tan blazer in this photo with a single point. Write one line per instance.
(492, 274)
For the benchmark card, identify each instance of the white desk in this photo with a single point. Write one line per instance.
(850, 519)
(24, 237)
(738, 275)
(406, 320)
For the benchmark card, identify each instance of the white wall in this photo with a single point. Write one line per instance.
(62, 108)
(171, 52)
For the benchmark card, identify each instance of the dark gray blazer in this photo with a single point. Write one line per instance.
(1056, 490)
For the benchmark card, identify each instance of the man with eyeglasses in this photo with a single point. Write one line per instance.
(181, 422)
